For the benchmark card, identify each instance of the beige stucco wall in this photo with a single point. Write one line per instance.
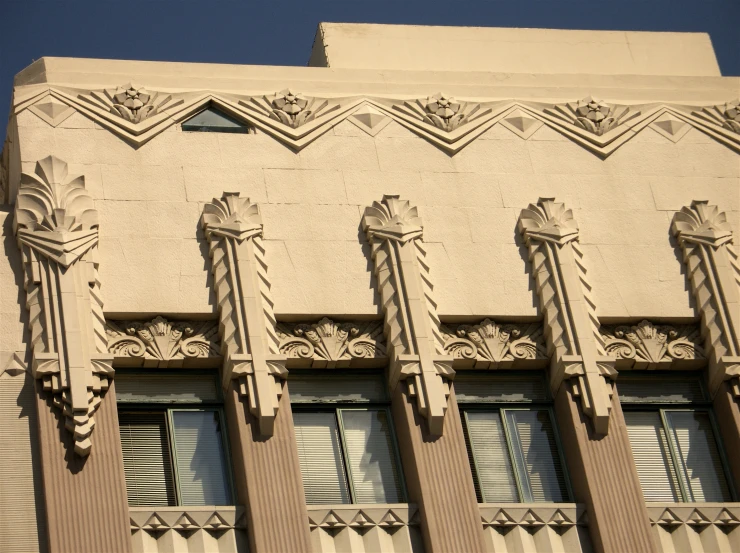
(153, 257)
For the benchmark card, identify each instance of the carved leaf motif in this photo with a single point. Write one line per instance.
(702, 223)
(161, 339)
(331, 341)
(494, 342)
(593, 115)
(652, 343)
(393, 219)
(548, 221)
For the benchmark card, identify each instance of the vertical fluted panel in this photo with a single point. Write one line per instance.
(86, 503)
(268, 477)
(604, 477)
(438, 478)
(727, 411)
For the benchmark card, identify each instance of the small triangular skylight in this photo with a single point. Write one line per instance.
(212, 119)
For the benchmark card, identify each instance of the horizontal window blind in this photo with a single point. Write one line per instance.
(652, 456)
(500, 389)
(372, 467)
(491, 456)
(698, 455)
(536, 456)
(146, 459)
(361, 388)
(140, 388)
(659, 390)
(200, 460)
(320, 457)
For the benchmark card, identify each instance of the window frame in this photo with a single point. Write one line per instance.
(502, 408)
(663, 408)
(348, 405)
(167, 409)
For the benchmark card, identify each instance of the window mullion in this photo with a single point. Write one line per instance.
(173, 455)
(520, 473)
(345, 457)
(683, 478)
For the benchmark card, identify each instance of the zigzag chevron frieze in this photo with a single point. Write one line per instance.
(138, 114)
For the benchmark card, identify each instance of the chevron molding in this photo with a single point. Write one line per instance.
(412, 328)
(138, 114)
(560, 517)
(713, 270)
(361, 519)
(187, 520)
(250, 344)
(56, 226)
(571, 328)
(670, 516)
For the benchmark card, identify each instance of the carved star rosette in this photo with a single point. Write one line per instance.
(56, 226)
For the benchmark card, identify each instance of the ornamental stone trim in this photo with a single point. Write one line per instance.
(492, 345)
(412, 328)
(250, 344)
(533, 517)
(653, 346)
(163, 344)
(575, 346)
(713, 269)
(56, 226)
(333, 345)
(362, 518)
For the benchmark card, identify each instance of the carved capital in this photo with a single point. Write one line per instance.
(162, 343)
(571, 327)
(714, 272)
(328, 344)
(412, 328)
(56, 226)
(649, 346)
(491, 345)
(233, 227)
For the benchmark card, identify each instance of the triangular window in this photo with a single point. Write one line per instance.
(212, 119)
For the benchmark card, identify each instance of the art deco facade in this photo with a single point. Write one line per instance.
(444, 290)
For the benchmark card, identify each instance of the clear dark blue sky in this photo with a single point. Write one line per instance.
(280, 32)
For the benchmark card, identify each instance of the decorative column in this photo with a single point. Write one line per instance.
(591, 423)
(257, 405)
(57, 230)
(706, 240)
(425, 412)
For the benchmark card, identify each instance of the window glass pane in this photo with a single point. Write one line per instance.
(699, 455)
(362, 388)
(320, 456)
(536, 455)
(372, 464)
(499, 389)
(146, 459)
(491, 454)
(214, 120)
(201, 466)
(659, 390)
(652, 456)
(140, 388)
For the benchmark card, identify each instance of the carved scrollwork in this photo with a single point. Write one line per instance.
(493, 345)
(328, 344)
(649, 346)
(167, 343)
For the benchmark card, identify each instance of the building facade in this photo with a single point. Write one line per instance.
(444, 290)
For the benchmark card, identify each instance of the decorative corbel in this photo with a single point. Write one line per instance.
(573, 340)
(707, 243)
(56, 225)
(233, 227)
(412, 328)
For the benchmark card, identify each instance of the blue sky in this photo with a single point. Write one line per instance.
(280, 32)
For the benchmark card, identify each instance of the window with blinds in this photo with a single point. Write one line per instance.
(674, 443)
(173, 455)
(346, 445)
(511, 439)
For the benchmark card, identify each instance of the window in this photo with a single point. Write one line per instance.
(511, 438)
(674, 442)
(346, 444)
(173, 439)
(213, 119)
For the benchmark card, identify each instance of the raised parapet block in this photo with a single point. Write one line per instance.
(713, 268)
(250, 344)
(502, 50)
(56, 225)
(574, 343)
(412, 328)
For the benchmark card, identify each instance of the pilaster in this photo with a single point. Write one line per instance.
(424, 409)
